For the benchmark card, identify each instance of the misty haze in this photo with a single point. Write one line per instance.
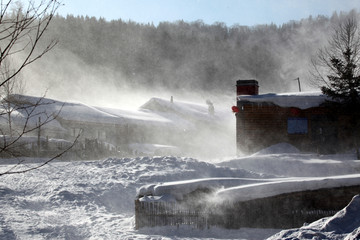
(114, 59)
(112, 129)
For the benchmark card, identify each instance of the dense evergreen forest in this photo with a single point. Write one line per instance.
(182, 56)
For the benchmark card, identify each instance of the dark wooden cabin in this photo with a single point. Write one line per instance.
(300, 119)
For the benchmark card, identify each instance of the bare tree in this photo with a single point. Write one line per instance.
(21, 30)
(336, 69)
(15, 86)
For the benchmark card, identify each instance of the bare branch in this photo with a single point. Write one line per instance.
(21, 30)
(10, 171)
(22, 33)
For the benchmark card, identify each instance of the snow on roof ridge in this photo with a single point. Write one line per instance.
(177, 103)
(77, 110)
(302, 100)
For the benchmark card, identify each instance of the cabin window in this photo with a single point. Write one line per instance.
(297, 125)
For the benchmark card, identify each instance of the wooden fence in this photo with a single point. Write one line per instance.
(282, 211)
(151, 214)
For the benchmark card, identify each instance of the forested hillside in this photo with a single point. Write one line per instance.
(180, 55)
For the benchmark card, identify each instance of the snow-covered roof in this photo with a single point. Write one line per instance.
(302, 100)
(134, 115)
(29, 117)
(184, 113)
(73, 111)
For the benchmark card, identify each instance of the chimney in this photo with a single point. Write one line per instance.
(247, 87)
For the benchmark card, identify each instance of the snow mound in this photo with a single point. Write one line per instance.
(278, 148)
(346, 220)
(343, 225)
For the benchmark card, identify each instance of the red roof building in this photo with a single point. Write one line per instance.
(300, 119)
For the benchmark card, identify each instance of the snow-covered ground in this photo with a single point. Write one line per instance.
(95, 199)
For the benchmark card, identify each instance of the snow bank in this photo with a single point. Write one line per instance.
(95, 199)
(343, 225)
(285, 160)
(278, 148)
(302, 100)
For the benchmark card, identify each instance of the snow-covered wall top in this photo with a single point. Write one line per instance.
(302, 100)
(179, 189)
(239, 189)
(269, 189)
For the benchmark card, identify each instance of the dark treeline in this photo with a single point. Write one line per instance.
(194, 55)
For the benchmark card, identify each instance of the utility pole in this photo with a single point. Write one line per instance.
(298, 79)
(39, 139)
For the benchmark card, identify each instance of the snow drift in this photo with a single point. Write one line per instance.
(343, 225)
(94, 199)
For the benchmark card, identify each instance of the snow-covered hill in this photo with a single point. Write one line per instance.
(95, 199)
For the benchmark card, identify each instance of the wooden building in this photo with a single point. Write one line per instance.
(158, 127)
(300, 119)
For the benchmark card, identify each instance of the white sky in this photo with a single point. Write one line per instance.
(243, 12)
